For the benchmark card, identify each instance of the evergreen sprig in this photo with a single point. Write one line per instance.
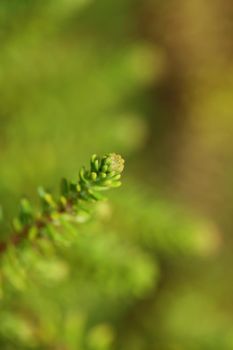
(104, 173)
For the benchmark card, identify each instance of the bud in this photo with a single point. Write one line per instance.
(116, 163)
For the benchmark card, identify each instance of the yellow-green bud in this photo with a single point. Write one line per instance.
(116, 163)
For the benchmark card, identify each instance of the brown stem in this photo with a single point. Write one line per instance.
(18, 237)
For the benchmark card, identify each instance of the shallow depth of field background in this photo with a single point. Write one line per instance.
(153, 81)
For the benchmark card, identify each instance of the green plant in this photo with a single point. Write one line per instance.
(74, 205)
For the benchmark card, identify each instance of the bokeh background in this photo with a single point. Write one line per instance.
(152, 80)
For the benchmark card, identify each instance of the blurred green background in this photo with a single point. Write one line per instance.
(152, 80)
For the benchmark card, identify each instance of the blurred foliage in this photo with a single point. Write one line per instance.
(151, 80)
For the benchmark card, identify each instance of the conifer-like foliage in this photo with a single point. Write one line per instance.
(78, 272)
(74, 205)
